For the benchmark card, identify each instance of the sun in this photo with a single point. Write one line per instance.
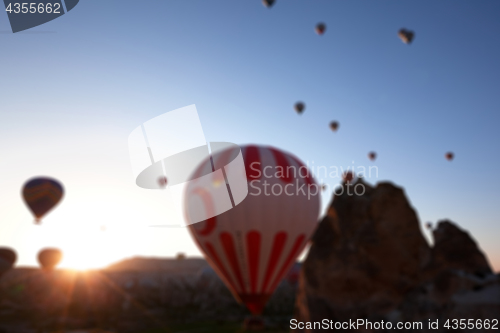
(86, 245)
(80, 261)
(96, 249)
(82, 258)
(87, 250)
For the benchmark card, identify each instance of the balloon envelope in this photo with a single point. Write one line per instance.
(406, 35)
(268, 3)
(41, 195)
(49, 258)
(8, 258)
(253, 245)
(449, 156)
(162, 181)
(334, 126)
(320, 28)
(348, 176)
(372, 155)
(299, 107)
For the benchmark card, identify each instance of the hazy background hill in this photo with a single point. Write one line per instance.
(172, 265)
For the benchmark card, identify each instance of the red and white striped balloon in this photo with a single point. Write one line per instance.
(253, 245)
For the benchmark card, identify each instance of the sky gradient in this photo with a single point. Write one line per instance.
(73, 89)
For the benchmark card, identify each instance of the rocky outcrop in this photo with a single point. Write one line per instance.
(455, 249)
(369, 260)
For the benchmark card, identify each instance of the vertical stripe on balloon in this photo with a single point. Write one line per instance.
(277, 249)
(231, 255)
(282, 162)
(218, 263)
(252, 163)
(253, 250)
(294, 252)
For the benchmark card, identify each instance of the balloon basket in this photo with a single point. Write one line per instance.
(254, 323)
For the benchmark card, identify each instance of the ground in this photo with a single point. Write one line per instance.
(210, 328)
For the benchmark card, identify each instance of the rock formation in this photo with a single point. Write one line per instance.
(369, 260)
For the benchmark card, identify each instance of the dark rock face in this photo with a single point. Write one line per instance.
(455, 249)
(369, 260)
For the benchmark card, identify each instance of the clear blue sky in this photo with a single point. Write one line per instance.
(73, 91)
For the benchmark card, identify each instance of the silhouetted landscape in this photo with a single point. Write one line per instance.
(134, 295)
(368, 259)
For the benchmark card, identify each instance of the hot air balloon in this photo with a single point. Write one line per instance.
(323, 187)
(372, 155)
(348, 176)
(428, 225)
(49, 258)
(320, 28)
(254, 244)
(449, 156)
(334, 126)
(268, 3)
(8, 258)
(41, 195)
(406, 35)
(299, 107)
(162, 181)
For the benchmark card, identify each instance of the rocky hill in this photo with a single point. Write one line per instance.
(181, 266)
(369, 260)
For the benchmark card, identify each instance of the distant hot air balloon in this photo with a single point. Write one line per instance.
(8, 258)
(449, 156)
(348, 176)
(372, 155)
(268, 3)
(334, 126)
(320, 28)
(323, 187)
(162, 181)
(406, 35)
(41, 195)
(253, 245)
(49, 258)
(428, 225)
(299, 107)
